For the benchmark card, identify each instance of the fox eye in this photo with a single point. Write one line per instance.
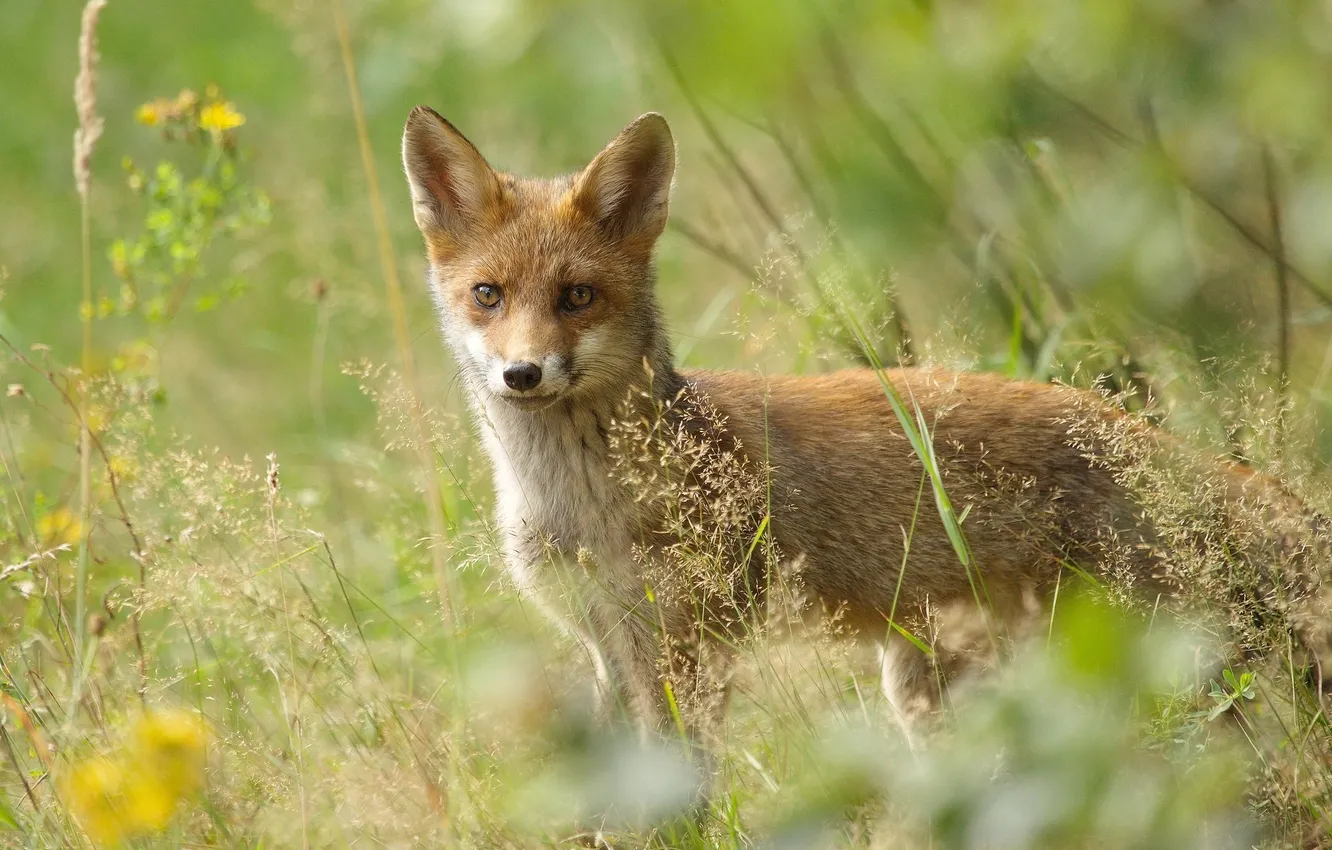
(486, 294)
(577, 297)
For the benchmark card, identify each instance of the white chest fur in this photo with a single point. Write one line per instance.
(559, 502)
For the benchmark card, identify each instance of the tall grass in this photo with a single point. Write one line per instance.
(303, 651)
(424, 442)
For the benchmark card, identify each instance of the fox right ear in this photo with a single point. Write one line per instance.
(454, 189)
(627, 188)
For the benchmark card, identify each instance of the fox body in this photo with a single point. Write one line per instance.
(545, 295)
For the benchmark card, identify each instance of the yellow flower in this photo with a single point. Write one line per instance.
(149, 802)
(59, 526)
(171, 745)
(149, 113)
(138, 789)
(94, 792)
(220, 117)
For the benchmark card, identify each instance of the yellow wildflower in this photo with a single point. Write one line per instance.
(171, 743)
(59, 526)
(94, 791)
(220, 117)
(138, 790)
(150, 114)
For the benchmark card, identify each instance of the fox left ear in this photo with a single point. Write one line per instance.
(627, 188)
(454, 190)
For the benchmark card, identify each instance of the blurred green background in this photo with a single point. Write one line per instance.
(1132, 191)
(1057, 181)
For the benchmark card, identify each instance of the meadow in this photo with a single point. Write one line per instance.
(250, 586)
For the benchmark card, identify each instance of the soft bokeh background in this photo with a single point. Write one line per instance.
(1135, 191)
(1087, 157)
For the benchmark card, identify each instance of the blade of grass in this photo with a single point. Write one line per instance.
(913, 640)
(918, 435)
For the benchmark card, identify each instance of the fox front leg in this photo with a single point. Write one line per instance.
(626, 656)
(671, 686)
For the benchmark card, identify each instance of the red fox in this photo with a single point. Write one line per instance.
(545, 294)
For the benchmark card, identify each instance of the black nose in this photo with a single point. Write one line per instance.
(522, 376)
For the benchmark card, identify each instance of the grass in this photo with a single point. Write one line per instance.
(234, 510)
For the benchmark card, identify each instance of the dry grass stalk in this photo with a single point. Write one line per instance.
(85, 139)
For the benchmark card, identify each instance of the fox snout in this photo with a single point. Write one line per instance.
(522, 376)
(530, 379)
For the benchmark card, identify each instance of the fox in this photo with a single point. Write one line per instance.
(545, 290)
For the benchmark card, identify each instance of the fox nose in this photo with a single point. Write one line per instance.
(522, 376)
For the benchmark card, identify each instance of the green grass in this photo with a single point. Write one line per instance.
(1067, 191)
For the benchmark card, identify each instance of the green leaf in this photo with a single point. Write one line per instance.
(1229, 676)
(7, 819)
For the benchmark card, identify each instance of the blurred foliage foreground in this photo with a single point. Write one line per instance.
(194, 653)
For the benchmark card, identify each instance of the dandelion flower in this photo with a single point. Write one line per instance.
(220, 117)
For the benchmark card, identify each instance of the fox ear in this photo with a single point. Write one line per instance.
(454, 189)
(627, 188)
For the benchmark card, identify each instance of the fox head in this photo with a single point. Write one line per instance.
(544, 286)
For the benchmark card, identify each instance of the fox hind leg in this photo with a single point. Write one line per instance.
(909, 684)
